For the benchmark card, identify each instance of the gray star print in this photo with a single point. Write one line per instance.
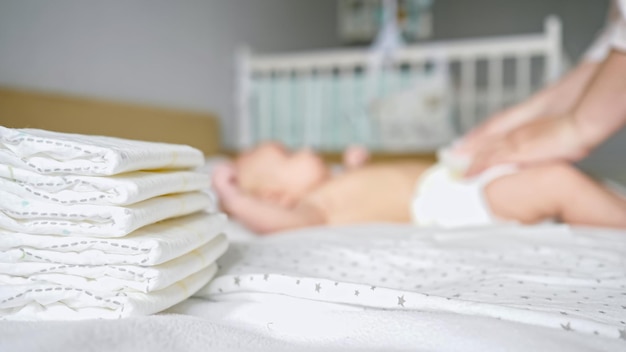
(237, 280)
(566, 327)
(401, 300)
(318, 287)
(356, 292)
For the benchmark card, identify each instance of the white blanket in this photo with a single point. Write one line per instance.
(544, 276)
(121, 189)
(37, 217)
(48, 152)
(150, 245)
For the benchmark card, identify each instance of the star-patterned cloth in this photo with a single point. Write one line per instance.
(551, 275)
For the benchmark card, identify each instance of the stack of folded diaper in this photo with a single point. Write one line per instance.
(101, 227)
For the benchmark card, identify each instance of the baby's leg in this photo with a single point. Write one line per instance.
(259, 215)
(555, 191)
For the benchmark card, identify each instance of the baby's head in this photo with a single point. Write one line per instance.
(271, 172)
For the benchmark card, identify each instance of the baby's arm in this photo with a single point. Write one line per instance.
(555, 191)
(256, 214)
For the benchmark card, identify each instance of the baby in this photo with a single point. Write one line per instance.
(270, 189)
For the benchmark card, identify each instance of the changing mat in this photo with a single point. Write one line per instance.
(122, 189)
(547, 276)
(37, 217)
(47, 152)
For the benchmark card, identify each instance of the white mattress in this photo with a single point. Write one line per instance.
(418, 290)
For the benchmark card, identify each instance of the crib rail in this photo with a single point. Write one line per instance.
(479, 85)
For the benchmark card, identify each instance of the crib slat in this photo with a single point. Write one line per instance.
(522, 77)
(323, 108)
(282, 102)
(313, 112)
(553, 53)
(495, 84)
(264, 112)
(299, 107)
(347, 107)
(467, 94)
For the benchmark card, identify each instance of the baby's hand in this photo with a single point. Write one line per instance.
(224, 180)
(355, 156)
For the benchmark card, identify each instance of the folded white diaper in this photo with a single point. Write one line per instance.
(444, 198)
(50, 153)
(48, 301)
(149, 245)
(115, 277)
(121, 189)
(37, 217)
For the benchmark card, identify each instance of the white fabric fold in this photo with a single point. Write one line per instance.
(115, 277)
(549, 276)
(150, 245)
(37, 217)
(64, 302)
(48, 152)
(121, 189)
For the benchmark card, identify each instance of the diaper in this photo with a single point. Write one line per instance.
(444, 198)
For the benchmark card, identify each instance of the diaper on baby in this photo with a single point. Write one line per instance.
(444, 198)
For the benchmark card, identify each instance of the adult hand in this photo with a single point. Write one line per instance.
(496, 126)
(556, 99)
(541, 140)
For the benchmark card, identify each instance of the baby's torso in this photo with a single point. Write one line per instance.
(372, 193)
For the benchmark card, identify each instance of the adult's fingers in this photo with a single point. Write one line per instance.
(467, 144)
(481, 136)
(498, 152)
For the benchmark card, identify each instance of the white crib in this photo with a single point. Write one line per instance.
(330, 99)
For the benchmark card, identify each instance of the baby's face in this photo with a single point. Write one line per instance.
(273, 173)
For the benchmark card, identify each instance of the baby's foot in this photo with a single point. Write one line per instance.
(355, 156)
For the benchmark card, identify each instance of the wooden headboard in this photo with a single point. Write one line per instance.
(27, 109)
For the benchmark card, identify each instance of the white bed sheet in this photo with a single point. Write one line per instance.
(250, 314)
(253, 325)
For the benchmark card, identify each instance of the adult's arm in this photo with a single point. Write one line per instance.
(555, 99)
(600, 112)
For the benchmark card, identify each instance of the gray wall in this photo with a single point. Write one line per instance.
(170, 53)
(180, 53)
(581, 19)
